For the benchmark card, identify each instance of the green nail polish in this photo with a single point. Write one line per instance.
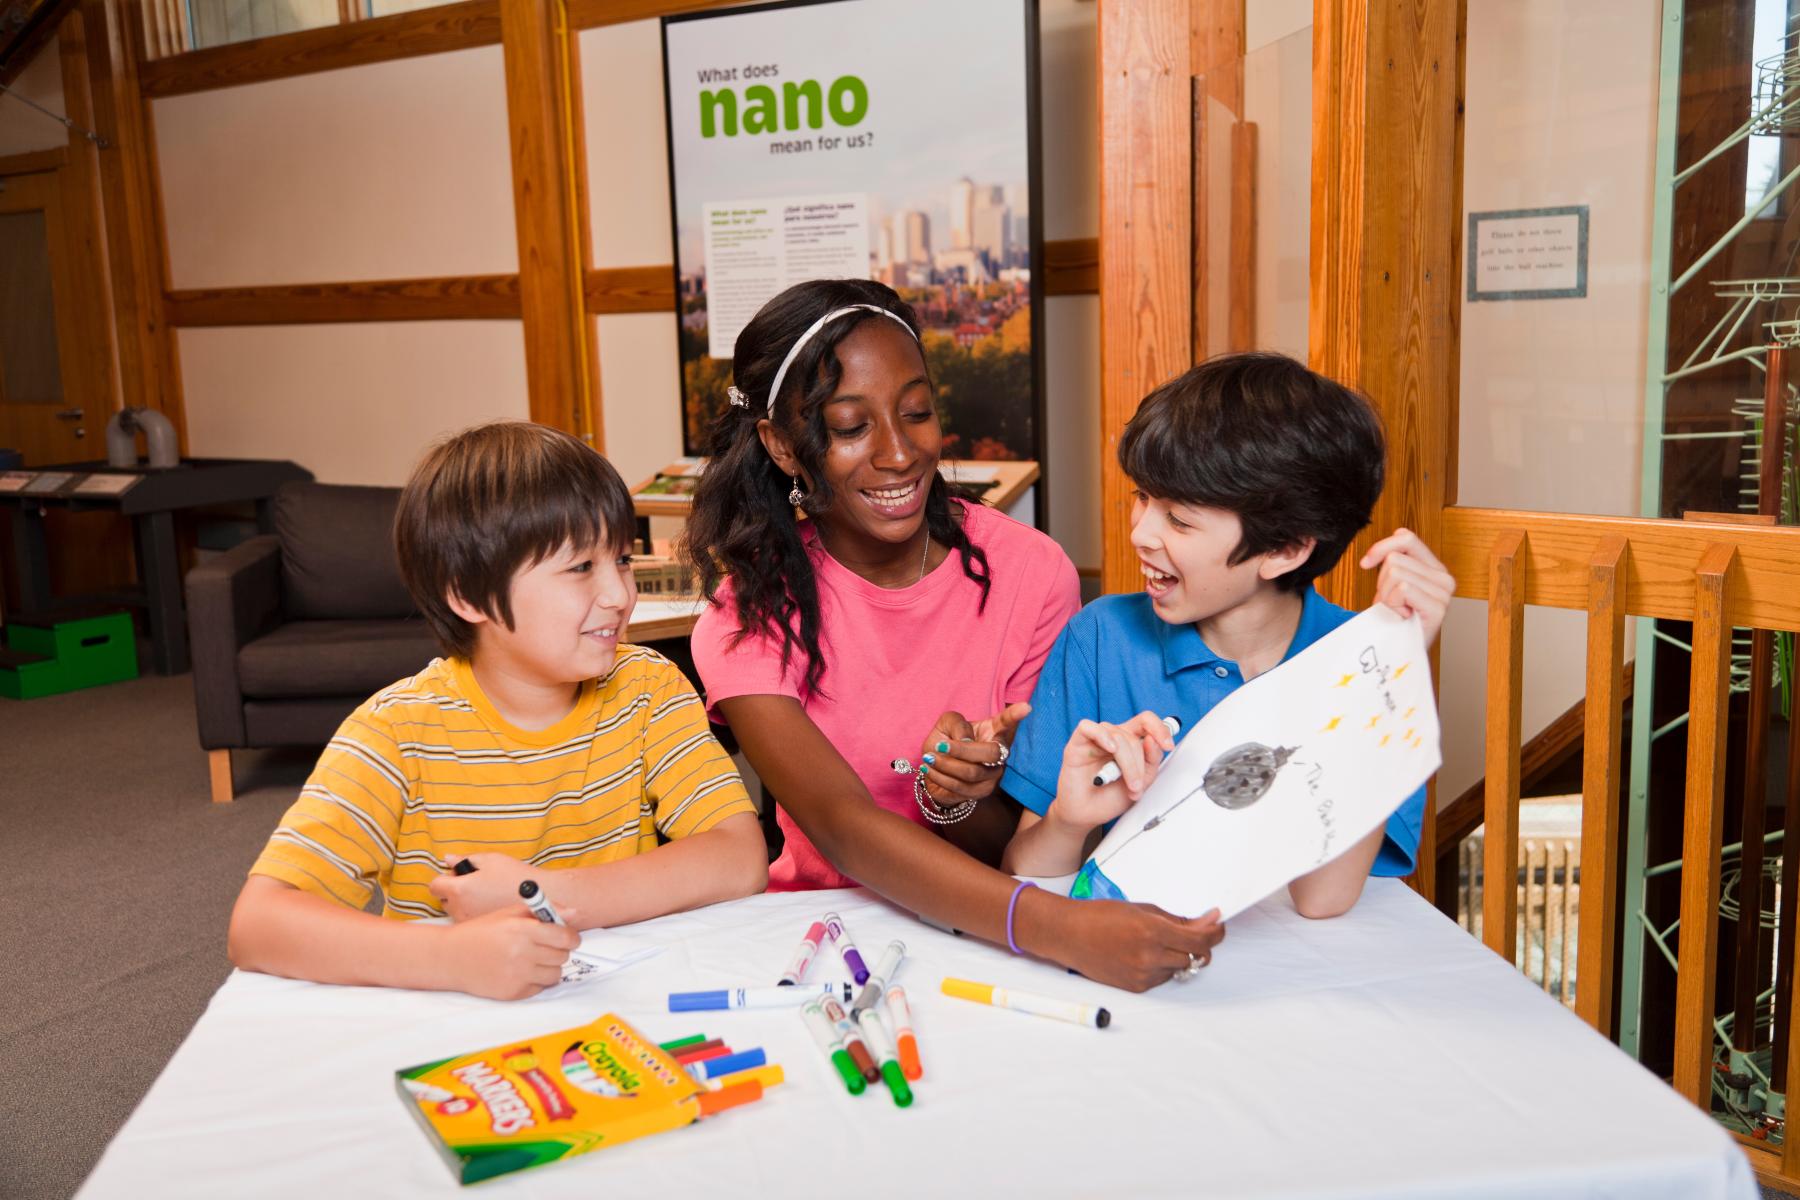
(943, 747)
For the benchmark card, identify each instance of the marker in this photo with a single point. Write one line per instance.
(899, 1014)
(878, 978)
(883, 1046)
(710, 1048)
(726, 1064)
(710, 1103)
(538, 903)
(834, 925)
(755, 997)
(768, 1076)
(809, 946)
(1026, 1002)
(465, 867)
(1110, 772)
(680, 1043)
(825, 1033)
(853, 1042)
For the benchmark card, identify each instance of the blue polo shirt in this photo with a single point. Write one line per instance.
(1116, 658)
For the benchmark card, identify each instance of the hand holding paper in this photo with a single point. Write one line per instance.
(1284, 775)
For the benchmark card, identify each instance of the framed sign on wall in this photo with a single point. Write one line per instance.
(882, 139)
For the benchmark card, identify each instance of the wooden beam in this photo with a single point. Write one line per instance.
(137, 250)
(461, 26)
(1500, 846)
(1602, 710)
(543, 100)
(630, 289)
(1384, 227)
(1072, 267)
(1765, 590)
(97, 388)
(34, 162)
(1216, 55)
(1697, 944)
(1146, 222)
(468, 297)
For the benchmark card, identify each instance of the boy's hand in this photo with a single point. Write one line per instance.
(510, 954)
(962, 771)
(1137, 746)
(1412, 579)
(492, 886)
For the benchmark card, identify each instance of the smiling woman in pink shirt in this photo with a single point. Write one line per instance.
(874, 659)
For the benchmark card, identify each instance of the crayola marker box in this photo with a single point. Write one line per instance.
(542, 1099)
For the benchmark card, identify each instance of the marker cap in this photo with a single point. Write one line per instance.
(963, 989)
(725, 1064)
(728, 1097)
(852, 1077)
(890, 1071)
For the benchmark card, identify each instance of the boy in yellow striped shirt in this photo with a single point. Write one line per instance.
(540, 748)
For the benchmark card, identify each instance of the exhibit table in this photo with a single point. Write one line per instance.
(150, 496)
(1382, 1054)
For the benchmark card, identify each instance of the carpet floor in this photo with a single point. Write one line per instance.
(119, 876)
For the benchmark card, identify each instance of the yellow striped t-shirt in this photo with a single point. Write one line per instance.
(427, 768)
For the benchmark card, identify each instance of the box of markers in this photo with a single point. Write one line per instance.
(542, 1099)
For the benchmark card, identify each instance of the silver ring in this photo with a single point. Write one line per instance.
(1004, 754)
(1195, 965)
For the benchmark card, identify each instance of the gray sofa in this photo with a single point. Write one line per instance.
(292, 630)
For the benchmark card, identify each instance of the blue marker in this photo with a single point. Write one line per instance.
(725, 1064)
(784, 996)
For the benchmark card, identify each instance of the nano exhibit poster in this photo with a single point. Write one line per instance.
(878, 139)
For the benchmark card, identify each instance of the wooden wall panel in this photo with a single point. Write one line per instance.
(1146, 232)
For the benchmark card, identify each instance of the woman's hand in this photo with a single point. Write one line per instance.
(1412, 580)
(1130, 946)
(964, 761)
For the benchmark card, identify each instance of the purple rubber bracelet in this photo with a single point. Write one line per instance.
(1012, 905)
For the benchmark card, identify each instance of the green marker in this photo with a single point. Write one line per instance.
(678, 1043)
(825, 1033)
(882, 1047)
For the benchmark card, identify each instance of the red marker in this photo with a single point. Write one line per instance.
(809, 946)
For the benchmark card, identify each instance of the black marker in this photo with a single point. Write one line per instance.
(538, 903)
(465, 867)
(1110, 771)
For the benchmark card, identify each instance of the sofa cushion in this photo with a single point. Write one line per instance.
(337, 552)
(334, 658)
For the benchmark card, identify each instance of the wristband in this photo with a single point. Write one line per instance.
(1011, 907)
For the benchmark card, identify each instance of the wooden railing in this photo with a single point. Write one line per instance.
(1718, 575)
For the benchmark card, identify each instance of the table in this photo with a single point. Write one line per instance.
(1382, 1054)
(150, 497)
(654, 620)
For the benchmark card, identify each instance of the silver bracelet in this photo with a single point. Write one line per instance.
(933, 812)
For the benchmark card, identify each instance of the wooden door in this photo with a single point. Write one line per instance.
(56, 368)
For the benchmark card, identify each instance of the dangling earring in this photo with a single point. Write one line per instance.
(795, 496)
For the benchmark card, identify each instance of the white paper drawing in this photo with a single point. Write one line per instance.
(1282, 776)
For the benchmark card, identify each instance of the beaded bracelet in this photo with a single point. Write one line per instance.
(1011, 907)
(934, 812)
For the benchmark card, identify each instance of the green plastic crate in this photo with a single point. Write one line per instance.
(72, 652)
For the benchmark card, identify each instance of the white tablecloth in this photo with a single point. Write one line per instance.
(1382, 1054)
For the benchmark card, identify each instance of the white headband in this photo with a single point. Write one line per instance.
(834, 314)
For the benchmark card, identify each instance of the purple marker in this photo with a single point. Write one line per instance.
(834, 927)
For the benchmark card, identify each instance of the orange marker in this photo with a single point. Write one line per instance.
(900, 1013)
(711, 1103)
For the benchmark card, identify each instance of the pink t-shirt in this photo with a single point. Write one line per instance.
(895, 659)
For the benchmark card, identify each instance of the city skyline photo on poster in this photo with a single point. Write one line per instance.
(881, 139)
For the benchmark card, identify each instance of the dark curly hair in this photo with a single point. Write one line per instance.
(1295, 455)
(742, 525)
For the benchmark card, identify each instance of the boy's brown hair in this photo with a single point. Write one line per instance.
(488, 501)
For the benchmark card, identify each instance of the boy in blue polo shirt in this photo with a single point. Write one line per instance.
(1252, 475)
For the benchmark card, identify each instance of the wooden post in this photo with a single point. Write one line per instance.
(1601, 711)
(137, 252)
(543, 106)
(1500, 848)
(1697, 944)
(1146, 228)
